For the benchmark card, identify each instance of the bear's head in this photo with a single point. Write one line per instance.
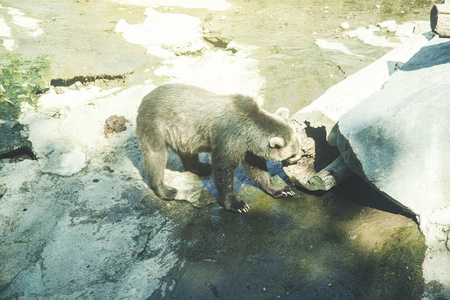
(285, 145)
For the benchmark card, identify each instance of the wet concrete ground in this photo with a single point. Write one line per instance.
(327, 246)
(349, 243)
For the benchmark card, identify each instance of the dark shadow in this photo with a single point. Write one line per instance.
(14, 145)
(19, 154)
(324, 153)
(373, 155)
(356, 190)
(428, 56)
(85, 79)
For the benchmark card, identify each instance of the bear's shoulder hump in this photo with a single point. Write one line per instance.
(245, 104)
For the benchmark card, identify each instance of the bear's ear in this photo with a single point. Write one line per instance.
(277, 142)
(283, 112)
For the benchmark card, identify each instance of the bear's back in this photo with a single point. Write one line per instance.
(184, 116)
(176, 100)
(191, 119)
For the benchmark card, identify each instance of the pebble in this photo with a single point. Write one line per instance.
(59, 90)
(352, 34)
(345, 25)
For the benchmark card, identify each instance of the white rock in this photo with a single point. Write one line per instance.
(157, 50)
(352, 34)
(218, 71)
(8, 44)
(387, 24)
(422, 27)
(367, 36)
(392, 28)
(397, 139)
(121, 26)
(64, 164)
(406, 29)
(190, 188)
(373, 28)
(176, 32)
(5, 30)
(324, 44)
(32, 25)
(345, 25)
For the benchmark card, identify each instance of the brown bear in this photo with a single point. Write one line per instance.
(233, 128)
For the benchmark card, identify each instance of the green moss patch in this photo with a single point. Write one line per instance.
(398, 270)
(21, 80)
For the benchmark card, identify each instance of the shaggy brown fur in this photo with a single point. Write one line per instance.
(233, 128)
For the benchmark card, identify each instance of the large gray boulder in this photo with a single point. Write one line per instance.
(398, 140)
(320, 167)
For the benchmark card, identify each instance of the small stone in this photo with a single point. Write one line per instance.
(387, 24)
(392, 28)
(351, 34)
(373, 28)
(115, 124)
(78, 85)
(59, 90)
(345, 25)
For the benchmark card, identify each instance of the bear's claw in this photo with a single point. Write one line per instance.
(288, 193)
(245, 209)
(285, 192)
(238, 206)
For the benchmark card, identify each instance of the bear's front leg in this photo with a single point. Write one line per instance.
(256, 168)
(223, 172)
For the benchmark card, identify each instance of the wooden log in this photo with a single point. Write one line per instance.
(440, 19)
(303, 175)
(330, 176)
(321, 166)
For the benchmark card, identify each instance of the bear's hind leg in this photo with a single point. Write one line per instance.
(155, 164)
(256, 168)
(192, 163)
